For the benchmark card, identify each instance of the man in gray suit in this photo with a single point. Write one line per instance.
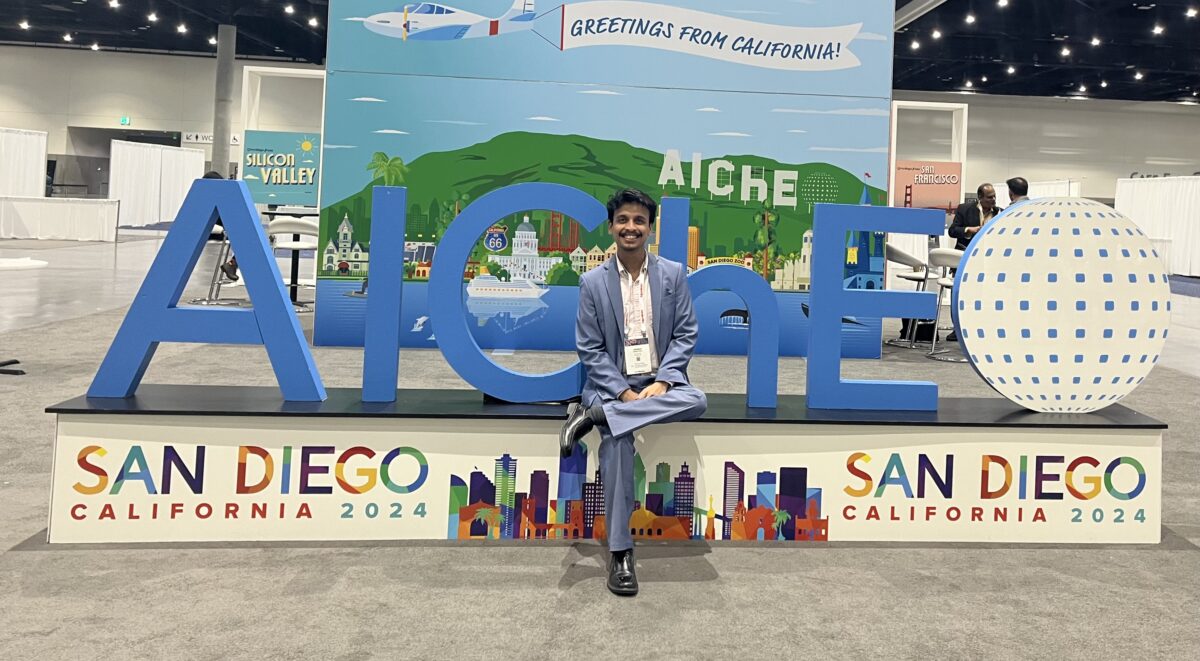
(635, 333)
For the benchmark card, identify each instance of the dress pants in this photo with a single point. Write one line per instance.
(678, 404)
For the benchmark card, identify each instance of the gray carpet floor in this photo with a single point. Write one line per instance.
(463, 600)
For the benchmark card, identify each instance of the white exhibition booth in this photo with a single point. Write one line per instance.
(151, 181)
(60, 218)
(1167, 209)
(22, 163)
(26, 212)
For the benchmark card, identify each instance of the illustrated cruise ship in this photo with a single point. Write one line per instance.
(488, 286)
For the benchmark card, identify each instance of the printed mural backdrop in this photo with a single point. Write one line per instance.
(755, 111)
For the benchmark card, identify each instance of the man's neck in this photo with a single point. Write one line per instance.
(632, 261)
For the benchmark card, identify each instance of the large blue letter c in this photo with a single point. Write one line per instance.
(446, 308)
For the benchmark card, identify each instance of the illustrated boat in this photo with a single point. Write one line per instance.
(488, 286)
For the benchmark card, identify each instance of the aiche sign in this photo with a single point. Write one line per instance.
(170, 478)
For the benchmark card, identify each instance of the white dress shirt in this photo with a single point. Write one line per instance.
(639, 309)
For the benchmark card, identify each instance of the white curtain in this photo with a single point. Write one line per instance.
(1056, 188)
(151, 180)
(58, 218)
(180, 169)
(134, 180)
(1167, 209)
(22, 163)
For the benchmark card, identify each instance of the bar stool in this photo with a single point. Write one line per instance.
(944, 259)
(296, 235)
(921, 275)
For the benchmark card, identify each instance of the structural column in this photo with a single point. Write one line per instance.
(223, 108)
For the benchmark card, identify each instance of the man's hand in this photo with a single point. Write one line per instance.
(629, 395)
(654, 390)
(972, 231)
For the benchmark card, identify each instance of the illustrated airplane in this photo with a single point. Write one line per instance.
(431, 21)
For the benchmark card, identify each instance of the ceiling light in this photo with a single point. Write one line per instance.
(937, 34)
(970, 18)
(95, 46)
(212, 41)
(1012, 70)
(1065, 51)
(970, 84)
(115, 4)
(181, 28)
(153, 17)
(288, 9)
(1138, 76)
(313, 22)
(67, 37)
(1104, 83)
(1191, 12)
(1158, 29)
(1082, 89)
(984, 79)
(1002, 3)
(24, 25)
(916, 44)
(1095, 41)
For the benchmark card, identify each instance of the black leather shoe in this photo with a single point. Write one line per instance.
(578, 424)
(952, 337)
(622, 574)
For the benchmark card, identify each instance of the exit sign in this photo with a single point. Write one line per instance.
(126, 120)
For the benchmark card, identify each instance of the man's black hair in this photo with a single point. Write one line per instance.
(1018, 186)
(212, 174)
(631, 196)
(979, 191)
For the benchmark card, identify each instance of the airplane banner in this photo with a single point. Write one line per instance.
(624, 23)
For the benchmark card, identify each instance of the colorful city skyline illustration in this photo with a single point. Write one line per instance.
(781, 506)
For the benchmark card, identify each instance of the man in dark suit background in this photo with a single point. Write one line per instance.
(969, 217)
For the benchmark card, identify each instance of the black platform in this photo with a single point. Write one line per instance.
(470, 404)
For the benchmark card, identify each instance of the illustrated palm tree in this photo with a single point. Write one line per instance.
(490, 516)
(494, 519)
(392, 170)
(781, 517)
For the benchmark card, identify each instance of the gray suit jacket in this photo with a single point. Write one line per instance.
(598, 326)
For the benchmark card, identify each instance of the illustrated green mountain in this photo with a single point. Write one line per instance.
(441, 183)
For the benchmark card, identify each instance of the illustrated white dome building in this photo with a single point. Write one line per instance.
(524, 262)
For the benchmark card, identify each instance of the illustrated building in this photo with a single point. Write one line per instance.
(765, 494)
(506, 489)
(693, 247)
(524, 262)
(793, 494)
(419, 251)
(611, 252)
(685, 498)
(593, 503)
(539, 492)
(735, 486)
(579, 260)
(343, 255)
(662, 486)
(595, 257)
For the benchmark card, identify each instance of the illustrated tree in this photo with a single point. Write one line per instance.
(409, 269)
(562, 274)
(500, 272)
(781, 517)
(765, 239)
(450, 210)
(391, 170)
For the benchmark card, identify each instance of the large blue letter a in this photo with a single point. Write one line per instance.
(155, 316)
